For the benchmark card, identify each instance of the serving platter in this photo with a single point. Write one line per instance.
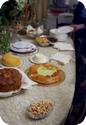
(45, 74)
(23, 47)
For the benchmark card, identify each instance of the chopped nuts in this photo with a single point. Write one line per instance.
(40, 109)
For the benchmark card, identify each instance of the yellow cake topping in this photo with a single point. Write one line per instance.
(10, 60)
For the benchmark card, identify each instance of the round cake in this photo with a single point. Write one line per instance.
(45, 74)
(10, 80)
(10, 60)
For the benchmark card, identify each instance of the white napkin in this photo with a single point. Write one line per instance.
(63, 46)
(39, 30)
(62, 58)
(27, 83)
(2, 122)
(29, 27)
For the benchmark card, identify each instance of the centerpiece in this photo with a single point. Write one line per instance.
(4, 40)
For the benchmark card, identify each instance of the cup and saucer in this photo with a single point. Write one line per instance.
(39, 58)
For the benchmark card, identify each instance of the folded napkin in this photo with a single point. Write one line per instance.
(38, 30)
(2, 122)
(27, 83)
(61, 58)
(63, 46)
(29, 27)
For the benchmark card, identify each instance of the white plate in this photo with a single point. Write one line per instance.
(26, 84)
(12, 66)
(39, 62)
(65, 29)
(23, 47)
(8, 94)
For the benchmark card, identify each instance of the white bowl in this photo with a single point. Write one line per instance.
(33, 32)
(61, 30)
(59, 36)
(39, 58)
(53, 32)
(65, 29)
(40, 114)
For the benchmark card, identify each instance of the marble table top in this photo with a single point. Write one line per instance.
(13, 109)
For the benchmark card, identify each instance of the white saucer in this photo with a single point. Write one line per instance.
(30, 48)
(39, 62)
(23, 47)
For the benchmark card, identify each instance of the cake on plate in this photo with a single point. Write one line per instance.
(10, 60)
(10, 79)
(45, 74)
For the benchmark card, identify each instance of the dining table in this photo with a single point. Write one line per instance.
(13, 108)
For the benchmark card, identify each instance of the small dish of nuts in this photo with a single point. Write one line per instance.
(40, 109)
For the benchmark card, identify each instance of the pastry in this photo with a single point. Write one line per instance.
(10, 60)
(45, 73)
